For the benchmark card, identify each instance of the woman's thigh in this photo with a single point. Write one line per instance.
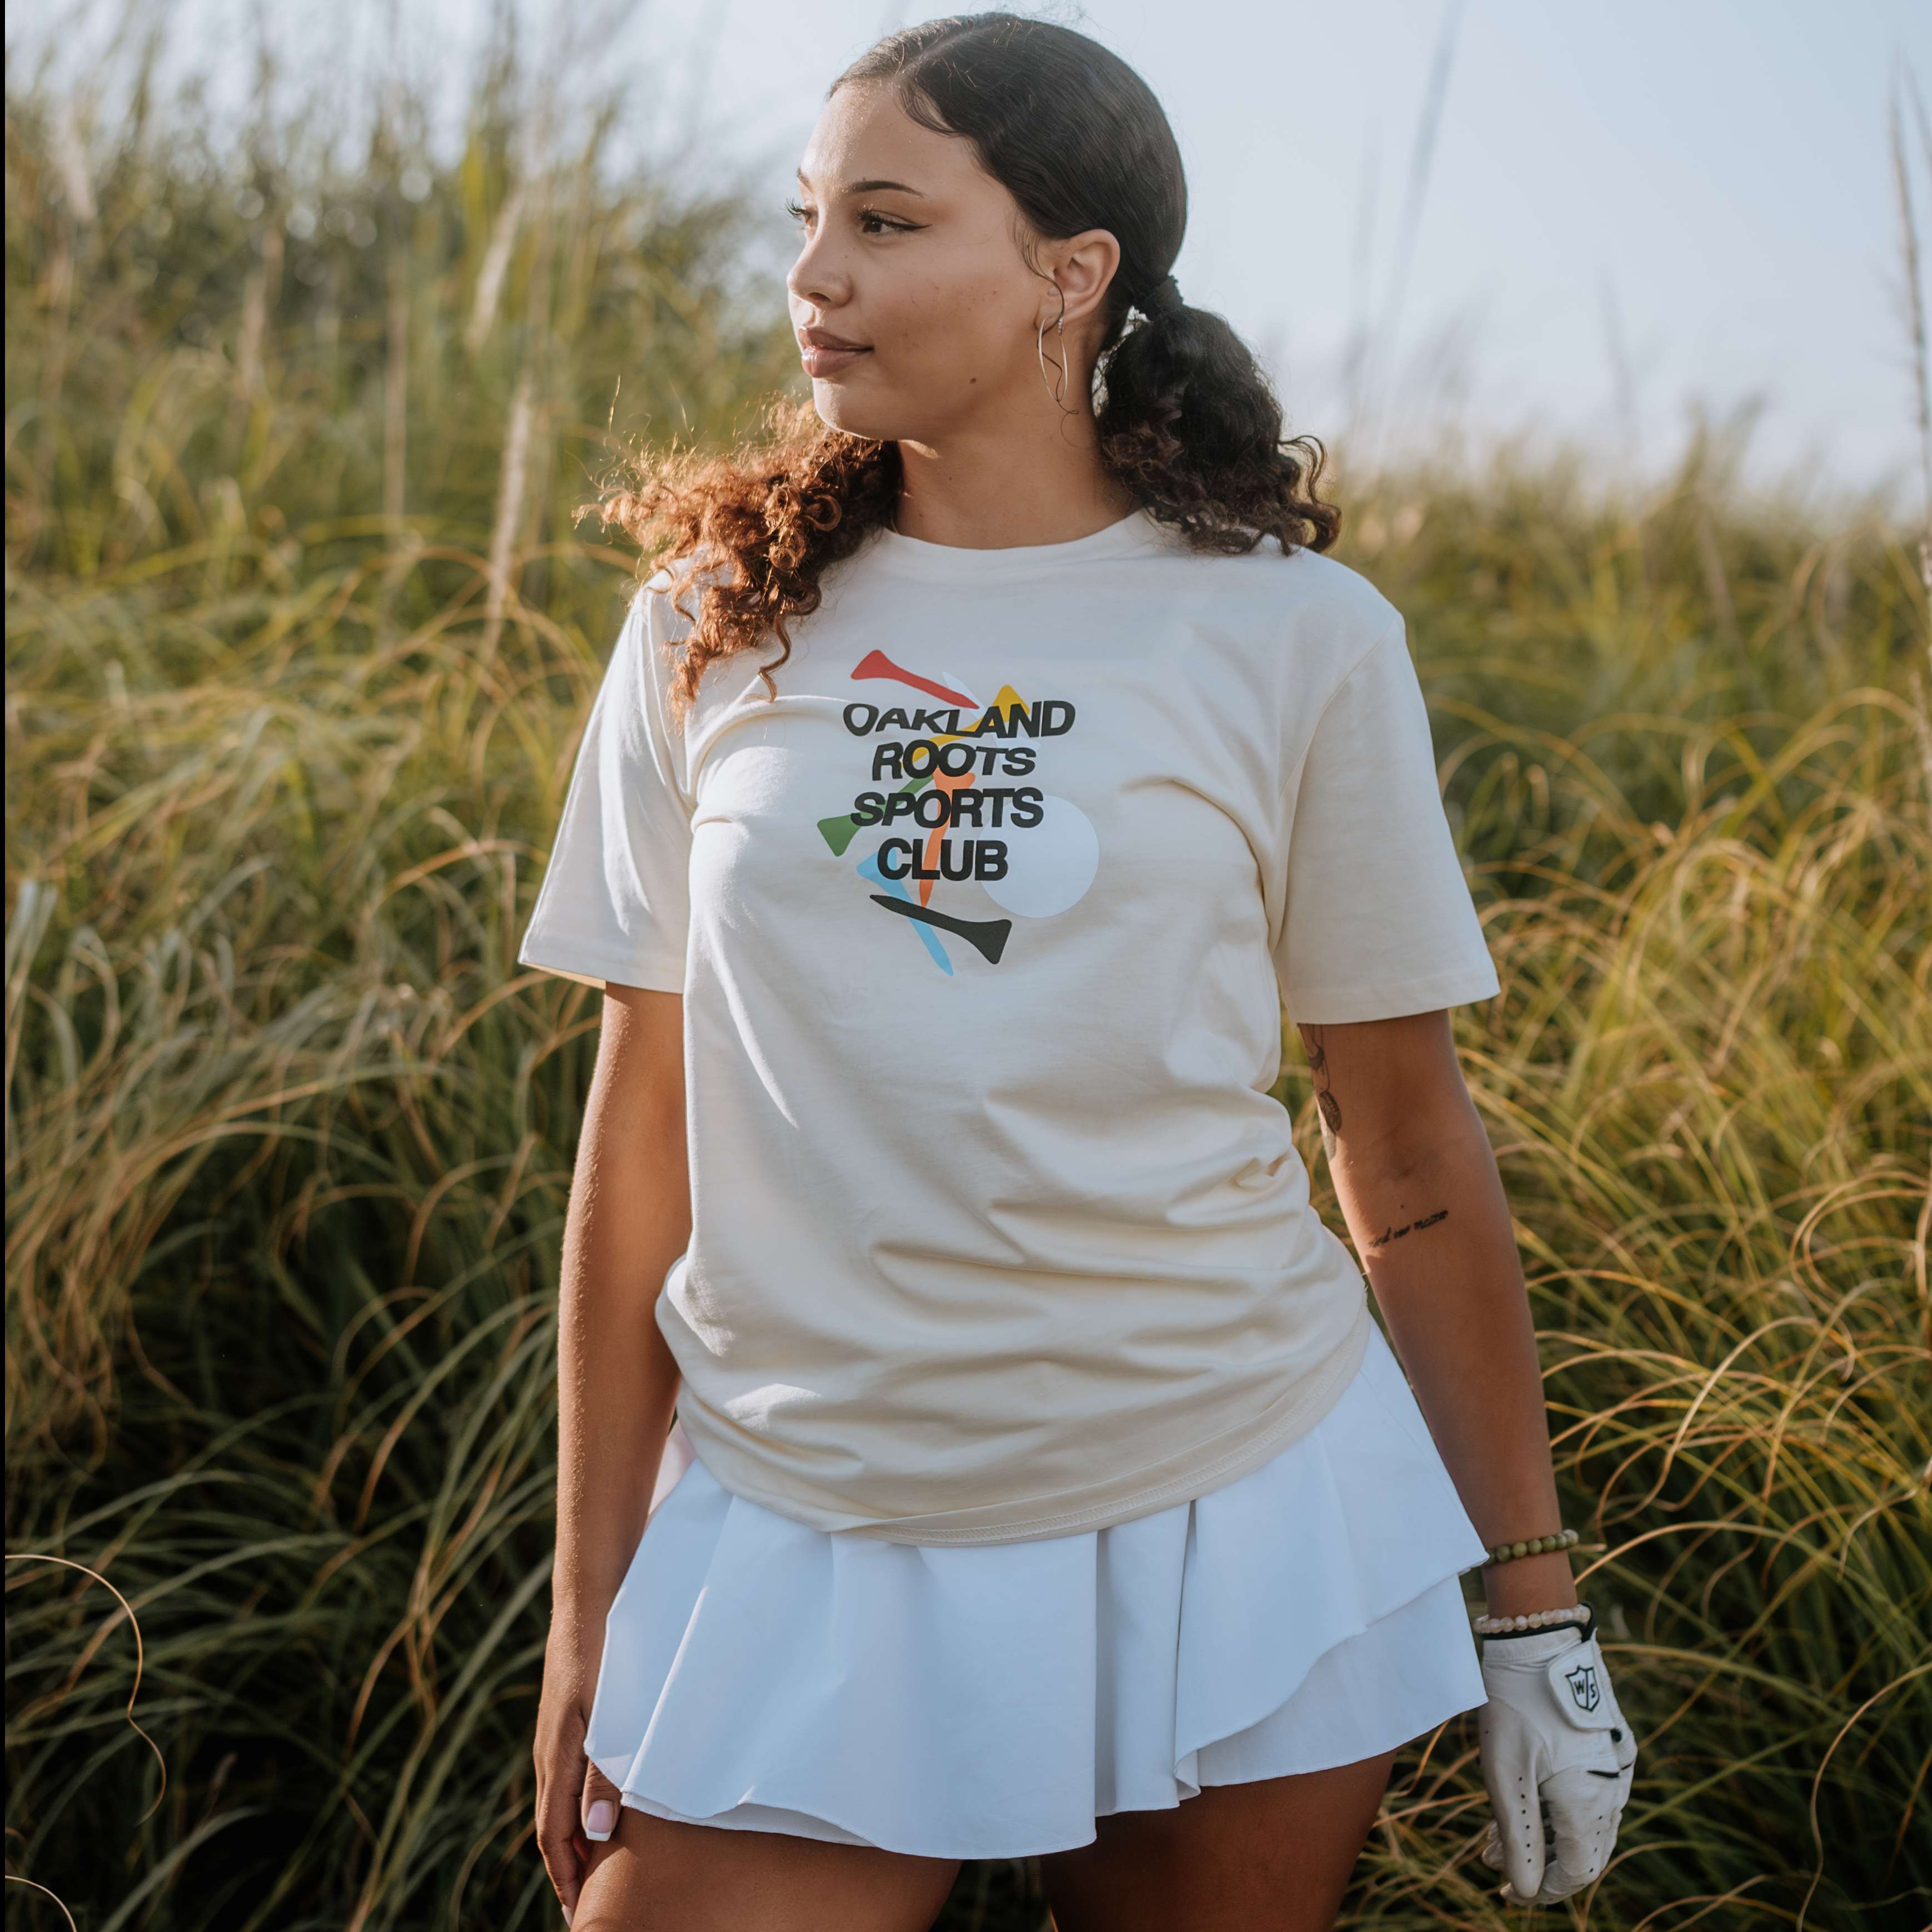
(1273, 1856)
(656, 1877)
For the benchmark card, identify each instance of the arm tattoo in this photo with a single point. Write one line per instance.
(1326, 1104)
(1393, 1234)
(1330, 1108)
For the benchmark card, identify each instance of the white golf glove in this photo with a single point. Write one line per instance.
(1554, 1743)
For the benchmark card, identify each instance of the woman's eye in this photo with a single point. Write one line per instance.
(871, 223)
(802, 216)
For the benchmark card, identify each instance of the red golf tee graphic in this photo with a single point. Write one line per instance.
(876, 664)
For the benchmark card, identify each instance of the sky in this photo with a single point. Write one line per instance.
(1587, 222)
(1628, 210)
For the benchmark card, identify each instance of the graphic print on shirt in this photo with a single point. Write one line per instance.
(950, 796)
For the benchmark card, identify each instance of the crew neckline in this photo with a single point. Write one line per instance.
(913, 557)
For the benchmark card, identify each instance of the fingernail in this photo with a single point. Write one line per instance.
(600, 1820)
(565, 1910)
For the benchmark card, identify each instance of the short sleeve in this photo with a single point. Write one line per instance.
(1378, 920)
(615, 903)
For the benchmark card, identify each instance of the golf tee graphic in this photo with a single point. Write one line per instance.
(948, 798)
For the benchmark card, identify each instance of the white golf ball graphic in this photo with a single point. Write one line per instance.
(1049, 865)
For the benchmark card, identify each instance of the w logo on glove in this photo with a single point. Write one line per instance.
(1583, 1691)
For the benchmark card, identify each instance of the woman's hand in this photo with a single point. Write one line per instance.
(561, 1766)
(578, 1806)
(1558, 1759)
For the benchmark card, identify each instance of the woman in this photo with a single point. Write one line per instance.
(951, 814)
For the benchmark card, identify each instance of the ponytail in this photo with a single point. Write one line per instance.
(1192, 429)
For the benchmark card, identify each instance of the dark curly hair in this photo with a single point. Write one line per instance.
(1187, 421)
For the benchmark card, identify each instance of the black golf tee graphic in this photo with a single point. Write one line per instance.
(989, 935)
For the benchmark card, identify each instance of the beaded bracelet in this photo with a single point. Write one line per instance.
(1537, 1546)
(1535, 1620)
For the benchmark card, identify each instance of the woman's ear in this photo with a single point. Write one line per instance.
(1083, 268)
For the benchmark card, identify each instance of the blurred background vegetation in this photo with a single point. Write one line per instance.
(301, 626)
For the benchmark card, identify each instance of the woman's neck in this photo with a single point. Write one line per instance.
(992, 489)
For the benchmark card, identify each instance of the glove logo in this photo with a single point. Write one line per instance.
(1584, 1693)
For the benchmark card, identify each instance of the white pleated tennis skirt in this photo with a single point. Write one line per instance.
(993, 1701)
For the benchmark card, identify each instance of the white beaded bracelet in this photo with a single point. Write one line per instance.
(1535, 1620)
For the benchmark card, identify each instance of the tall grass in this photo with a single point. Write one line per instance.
(1710, 1089)
(300, 633)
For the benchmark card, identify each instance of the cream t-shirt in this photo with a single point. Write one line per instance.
(981, 926)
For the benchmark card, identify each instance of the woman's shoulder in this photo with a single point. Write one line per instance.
(1340, 602)
(658, 622)
(664, 609)
(665, 603)
(1327, 613)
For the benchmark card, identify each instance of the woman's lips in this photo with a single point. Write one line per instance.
(825, 355)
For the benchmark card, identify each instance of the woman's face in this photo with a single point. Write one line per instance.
(914, 304)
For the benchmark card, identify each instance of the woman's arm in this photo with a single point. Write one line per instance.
(1419, 1188)
(629, 1219)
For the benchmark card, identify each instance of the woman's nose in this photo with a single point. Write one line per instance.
(815, 277)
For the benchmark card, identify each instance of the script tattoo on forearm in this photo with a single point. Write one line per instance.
(1326, 1104)
(1394, 1234)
